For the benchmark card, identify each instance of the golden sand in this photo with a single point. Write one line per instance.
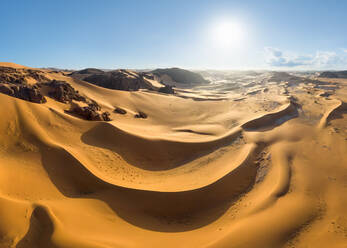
(193, 174)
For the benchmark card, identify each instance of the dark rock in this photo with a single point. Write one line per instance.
(85, 112)
(63, 92)
(326, 94)
(106, 116)
(180, 76)
(333, 74)
(19, 76)
(87, 71)
(147, 75)
(6, 89)
(167, 89)
(89, 113)
(117, 79)
(120, 111)
(94, 105)
(141, 115)
(24, 92)
(34, 95)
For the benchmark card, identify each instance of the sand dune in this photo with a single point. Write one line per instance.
(271, 120)
(12, 65)
(255, 172)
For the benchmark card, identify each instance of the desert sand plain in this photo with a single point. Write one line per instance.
(259, 163)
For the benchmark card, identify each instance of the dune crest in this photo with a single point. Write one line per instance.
(12, 65)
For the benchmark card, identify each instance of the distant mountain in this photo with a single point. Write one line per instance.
(88, 71)
(334, 74)
(172, 76)
(131, 80)
(278, 76)
(117, 79)
(56, 69)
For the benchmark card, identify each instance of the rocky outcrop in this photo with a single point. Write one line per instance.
(147, 75)
(170, 76)
(19, 75)
(167, 89)
(333, 74)
(24, 92)
(20, 83)
(141, 115)
(89, 112)
(132, 81)
(119, 110)
(6, 89)
(80, 106)
(106, 116)
(326, 94)
(292, 80)
(117, 80)
(63, 92)
(87, 71)
(14, 82)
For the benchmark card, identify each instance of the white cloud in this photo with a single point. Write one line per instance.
(321, 59)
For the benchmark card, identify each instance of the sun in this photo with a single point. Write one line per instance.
(228, 34)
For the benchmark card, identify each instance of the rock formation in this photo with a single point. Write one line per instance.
(22, 91)
(117, 79)
(63, 92)
(119, 110)
(171, 76)
(167, 89)
(141, 115)
(89, 112)
(333, 74)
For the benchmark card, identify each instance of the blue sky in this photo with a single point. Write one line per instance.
(146, 34)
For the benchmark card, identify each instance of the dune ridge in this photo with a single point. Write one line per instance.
(192, 174)
(337, 108)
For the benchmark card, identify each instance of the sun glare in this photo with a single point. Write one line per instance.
(228, 34)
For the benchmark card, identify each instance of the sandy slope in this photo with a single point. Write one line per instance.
(193, 174)
(13, 65)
